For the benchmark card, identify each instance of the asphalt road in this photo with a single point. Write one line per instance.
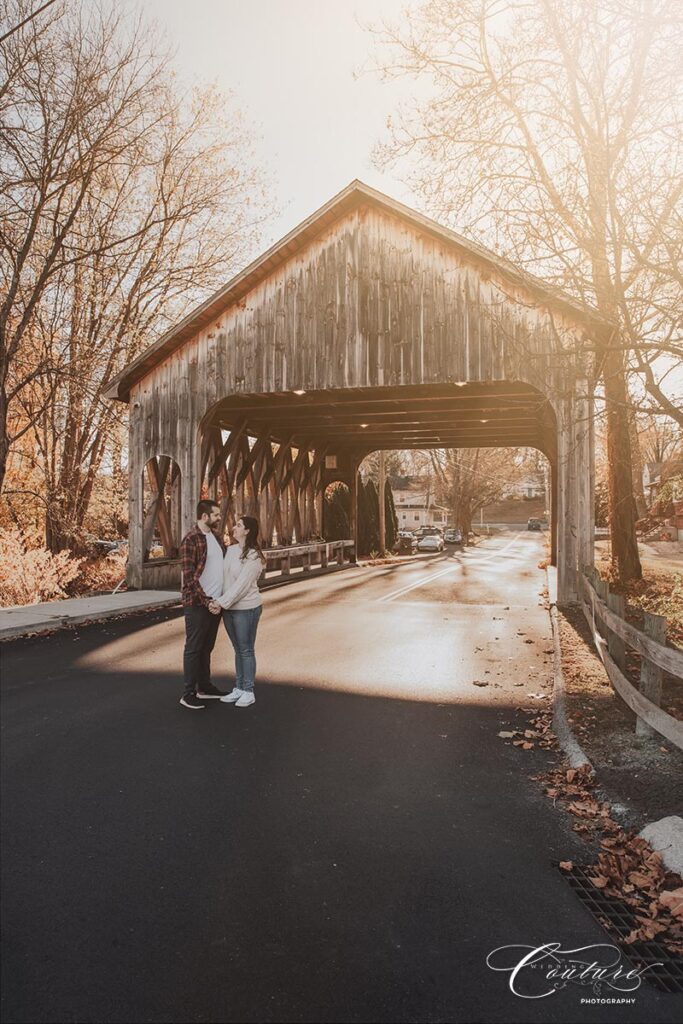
(348, 849)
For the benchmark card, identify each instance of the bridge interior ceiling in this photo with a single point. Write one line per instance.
(494, 414)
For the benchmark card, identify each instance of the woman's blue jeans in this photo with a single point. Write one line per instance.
(241, 625)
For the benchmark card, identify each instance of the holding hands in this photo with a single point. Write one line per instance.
(215, 608)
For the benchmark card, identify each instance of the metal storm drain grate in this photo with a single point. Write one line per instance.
(668, 974)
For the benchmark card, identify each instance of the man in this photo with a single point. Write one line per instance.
(201, 553)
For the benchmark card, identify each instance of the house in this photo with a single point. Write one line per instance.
(530, 487)
(415, 506)
(656, 474)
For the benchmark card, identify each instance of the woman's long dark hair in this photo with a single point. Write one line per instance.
(250, 541)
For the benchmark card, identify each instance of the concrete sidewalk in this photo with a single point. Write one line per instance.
(48, 616)
(51, 615)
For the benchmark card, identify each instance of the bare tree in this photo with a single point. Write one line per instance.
(123, 202)
(469, 479)
(553, 131)
(660, 439)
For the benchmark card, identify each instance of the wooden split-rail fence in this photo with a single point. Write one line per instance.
(613, 636)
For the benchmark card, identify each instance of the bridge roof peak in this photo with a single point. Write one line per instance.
(356, 194)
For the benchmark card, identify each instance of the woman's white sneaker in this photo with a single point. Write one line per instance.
(233, 696)
(246, 699)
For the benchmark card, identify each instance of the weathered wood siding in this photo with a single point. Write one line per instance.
(371, 302)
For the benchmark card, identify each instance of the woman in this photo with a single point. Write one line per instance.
(241, 604)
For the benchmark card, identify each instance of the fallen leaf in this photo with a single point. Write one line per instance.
(599, 881)
(673, 899)
(480, 682)
(507, 735)
(640, 880)
(566, 865)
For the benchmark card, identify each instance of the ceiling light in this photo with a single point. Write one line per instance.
(299, 392)
(460, 383)
(483, 421)
(364, 425)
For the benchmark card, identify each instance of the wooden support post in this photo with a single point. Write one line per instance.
(353, 512)
(382, 507)
(615, 645)
(554, 513)
(583, 473)
(654, 626)
(567, 564)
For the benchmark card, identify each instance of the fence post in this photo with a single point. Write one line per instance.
(285, 563)
(654, 626)
(324, 550)
(615, 645)
(602, 590)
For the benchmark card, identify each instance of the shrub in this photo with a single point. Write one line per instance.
(100, 574)
(31, 574)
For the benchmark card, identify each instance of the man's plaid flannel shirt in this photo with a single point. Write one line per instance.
(193, 560)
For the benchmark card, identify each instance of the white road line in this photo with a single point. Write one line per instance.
(444, 572)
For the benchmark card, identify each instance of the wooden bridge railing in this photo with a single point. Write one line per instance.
(307, 557)
(605, 613)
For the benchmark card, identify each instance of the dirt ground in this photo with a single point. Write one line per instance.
(642, 777)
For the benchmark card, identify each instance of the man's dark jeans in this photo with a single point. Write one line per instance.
(201, 628)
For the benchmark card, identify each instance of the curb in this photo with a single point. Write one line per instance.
(287, 581)
(576, 755)
(57, 622)
(54, 622)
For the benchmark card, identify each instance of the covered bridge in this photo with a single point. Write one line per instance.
(367, 327)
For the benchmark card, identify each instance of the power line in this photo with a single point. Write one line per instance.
(26, 21)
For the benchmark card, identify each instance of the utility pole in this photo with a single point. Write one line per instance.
(382, 510)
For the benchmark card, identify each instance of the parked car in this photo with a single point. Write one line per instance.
(452, 536)
(534, 524)
(430, 542)
(428, 531)
(406, 543)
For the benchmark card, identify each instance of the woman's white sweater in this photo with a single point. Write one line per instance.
(240, 576)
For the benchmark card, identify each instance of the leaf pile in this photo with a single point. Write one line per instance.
(630, 870)
(627, 868)
(540, 734)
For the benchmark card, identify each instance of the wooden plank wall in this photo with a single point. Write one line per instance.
(370, 303)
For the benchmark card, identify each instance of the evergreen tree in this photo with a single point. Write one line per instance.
(336, 514)
(391, 519)
(368, 518)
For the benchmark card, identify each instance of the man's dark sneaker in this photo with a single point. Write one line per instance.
(210, 692)
(191, 702)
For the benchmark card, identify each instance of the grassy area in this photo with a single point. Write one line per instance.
(513, 510)
(660, 591)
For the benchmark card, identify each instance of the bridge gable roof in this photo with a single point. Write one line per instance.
(355, 195)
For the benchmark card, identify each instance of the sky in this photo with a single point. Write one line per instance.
(292, 66)
(295, 67)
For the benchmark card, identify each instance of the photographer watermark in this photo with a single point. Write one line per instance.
(536, 972)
